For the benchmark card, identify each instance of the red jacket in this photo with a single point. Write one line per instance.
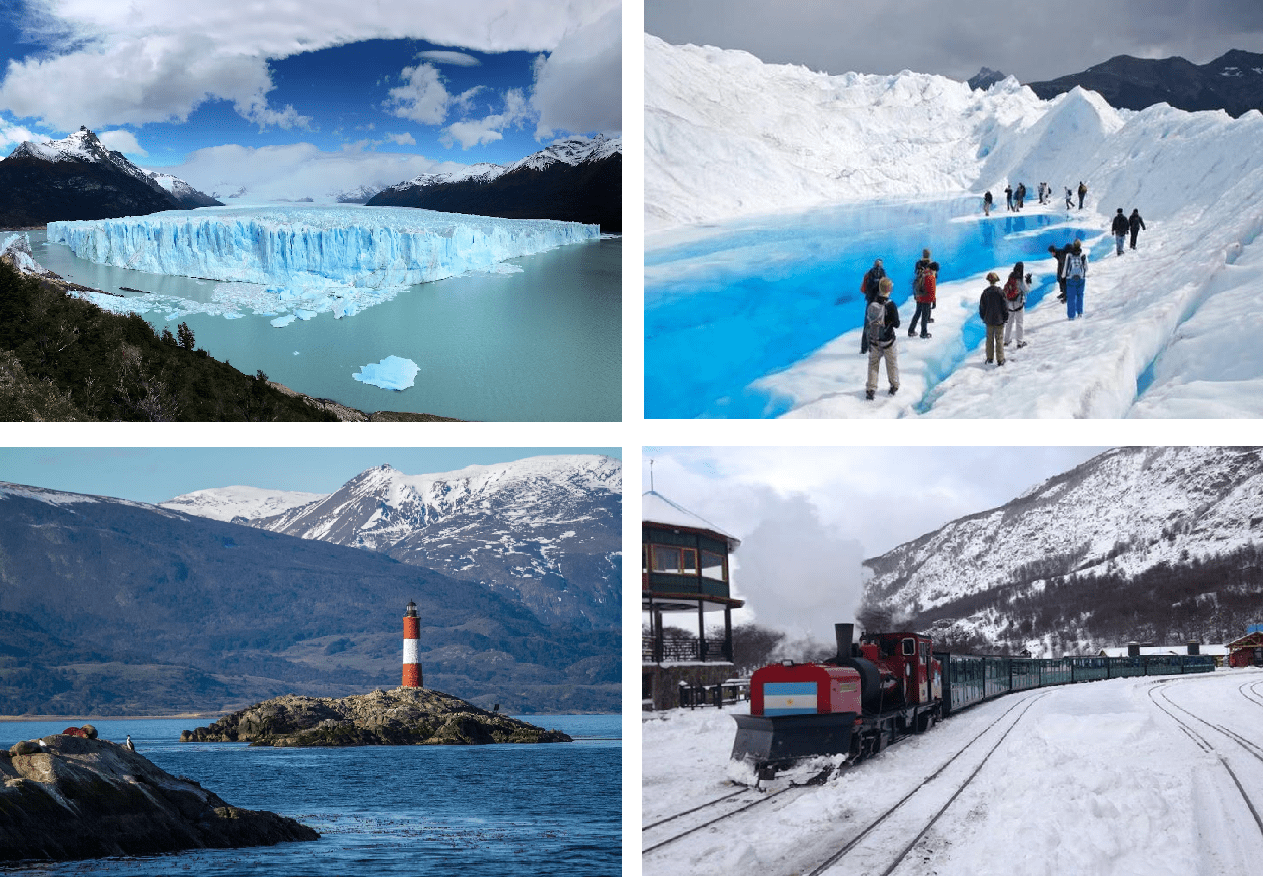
(928, 287)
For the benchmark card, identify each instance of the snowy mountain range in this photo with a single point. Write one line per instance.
(544, 531)
(578, 179)
(77, 177)
(1232, 82)
(1172, 533)
(176, 611)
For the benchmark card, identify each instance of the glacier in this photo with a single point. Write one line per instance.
(302, 260)
(1173, 327)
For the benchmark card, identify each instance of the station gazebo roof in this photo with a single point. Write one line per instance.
(657, 509)
(1249, 641)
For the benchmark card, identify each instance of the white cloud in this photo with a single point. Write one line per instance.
(404, 139)
(459, 59)
(152, 60)
(297, 171)
(422, 98)
(15, 134)
(473, 132)
(121, 141)
(580, 87)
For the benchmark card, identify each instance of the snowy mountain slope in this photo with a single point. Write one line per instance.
(230, 503)
(74, 178)
(182, 192)
(546, 530)
(1124, 513)
(572, 151)
(578, 180)
(1170, 331)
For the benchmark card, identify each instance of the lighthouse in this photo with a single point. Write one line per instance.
(411, 633)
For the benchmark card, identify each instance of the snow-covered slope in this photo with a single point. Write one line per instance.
(727, 135)
(1123, 513)
(573, 151)
(81, 145)
(231, 503)
(546, 529)
(181, 191)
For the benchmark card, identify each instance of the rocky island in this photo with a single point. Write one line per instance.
(399, 717)
(75, 797)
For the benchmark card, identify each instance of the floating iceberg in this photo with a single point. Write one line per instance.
(392, 373)
(314, 259)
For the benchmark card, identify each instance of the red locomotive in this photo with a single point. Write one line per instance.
(855, 703)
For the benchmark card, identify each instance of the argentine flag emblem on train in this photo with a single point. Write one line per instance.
(789, 698)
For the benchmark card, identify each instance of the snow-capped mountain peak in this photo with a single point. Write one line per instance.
(547, 529)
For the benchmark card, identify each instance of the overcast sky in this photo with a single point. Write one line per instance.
(1032, 41)
(158, 474)
(808, 516)
(327, 94)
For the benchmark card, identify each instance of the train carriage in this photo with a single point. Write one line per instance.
(893, 684)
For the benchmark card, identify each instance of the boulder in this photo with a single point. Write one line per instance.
(75, 797)
(400, 717)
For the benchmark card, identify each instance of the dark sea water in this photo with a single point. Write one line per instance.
(552, 809)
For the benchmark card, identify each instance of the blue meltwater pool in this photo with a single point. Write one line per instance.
(727, 304)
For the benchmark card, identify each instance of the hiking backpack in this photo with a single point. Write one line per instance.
(1010, 288)
(1074, 265)
(876, 319)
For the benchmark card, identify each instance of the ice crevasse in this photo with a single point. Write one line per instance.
(314, 247)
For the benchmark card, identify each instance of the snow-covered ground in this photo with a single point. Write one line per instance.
(1091, 778)
(308, 260)
(1169, 331)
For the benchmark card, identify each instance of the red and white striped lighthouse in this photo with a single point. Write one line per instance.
(411, 633)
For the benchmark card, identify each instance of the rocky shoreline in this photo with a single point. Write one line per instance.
(399, 717)
(74, 797)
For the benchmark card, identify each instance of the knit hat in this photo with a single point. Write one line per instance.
(993, 277)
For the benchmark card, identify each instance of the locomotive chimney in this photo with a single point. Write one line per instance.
(844, 634)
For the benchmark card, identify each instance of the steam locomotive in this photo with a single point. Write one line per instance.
(858, 701)
(889, 685)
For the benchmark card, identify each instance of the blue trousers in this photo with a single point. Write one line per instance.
(1119, 240)
(1074, 297)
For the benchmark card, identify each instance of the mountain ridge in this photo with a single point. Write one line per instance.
(575, 180)
(545, 529)
(1130, 517)
(1233, 82)
(176, 612)
(77, 177)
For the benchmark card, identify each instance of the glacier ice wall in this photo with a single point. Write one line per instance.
(314, 247)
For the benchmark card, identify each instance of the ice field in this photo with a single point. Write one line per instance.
(312, 259)
(732, 144)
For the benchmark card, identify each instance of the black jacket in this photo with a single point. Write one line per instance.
(871, 279)
(1120, 224)
(1136, 223)
(992, 307)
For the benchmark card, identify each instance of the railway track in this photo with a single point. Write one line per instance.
(686, 822)
(887, 830)
(1188, 722)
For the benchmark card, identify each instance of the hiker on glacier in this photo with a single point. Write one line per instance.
(869, 286)
(1119, 229)
(994, 313)
(1075, 270)
(882, 321)
(1015, 290)
(1135, 224)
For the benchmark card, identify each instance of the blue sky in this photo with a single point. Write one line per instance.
(238, 94)
(157, 474)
